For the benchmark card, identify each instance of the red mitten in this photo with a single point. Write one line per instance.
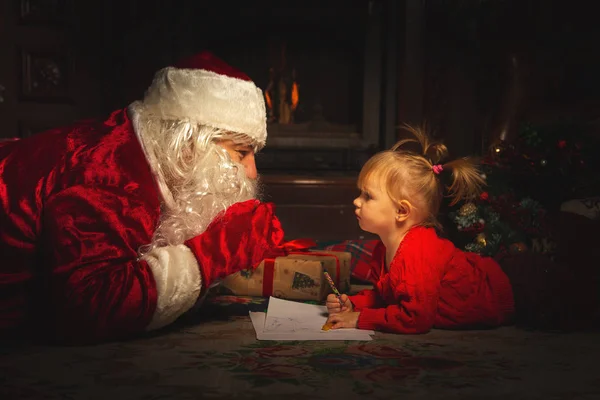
(239, 239)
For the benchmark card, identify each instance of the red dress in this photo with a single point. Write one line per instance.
(432, 284)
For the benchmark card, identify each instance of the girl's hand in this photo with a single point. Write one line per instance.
(343, 320)
(334, 306)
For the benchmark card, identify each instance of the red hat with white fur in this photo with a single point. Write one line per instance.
(206, 90)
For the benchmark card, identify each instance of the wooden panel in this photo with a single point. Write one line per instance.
(45, 75)
(44, 12)
(29, 127)
(310, 191)
(290, 159)
(327, 223)
(41, 87)
(316, 207)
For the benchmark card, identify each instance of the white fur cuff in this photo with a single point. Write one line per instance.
(178, 283)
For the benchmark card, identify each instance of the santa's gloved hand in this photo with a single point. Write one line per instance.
(239, 239)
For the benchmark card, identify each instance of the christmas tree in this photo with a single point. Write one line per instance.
(525, 178)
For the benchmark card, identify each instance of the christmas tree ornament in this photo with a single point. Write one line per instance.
(497, 149)
(467, 209)
(481, 239)
(517, 248)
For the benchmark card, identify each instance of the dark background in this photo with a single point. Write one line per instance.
(470, 68)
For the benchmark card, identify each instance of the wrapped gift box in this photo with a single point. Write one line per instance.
(297, 276)
(341, 278)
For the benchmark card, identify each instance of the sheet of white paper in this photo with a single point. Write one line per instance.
(291, 320)
(258, 320)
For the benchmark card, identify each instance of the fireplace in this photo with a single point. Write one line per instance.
(328, 69)
(320, 65)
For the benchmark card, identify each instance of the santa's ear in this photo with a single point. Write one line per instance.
(403, 211)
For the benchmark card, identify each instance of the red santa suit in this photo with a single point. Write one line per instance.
(77, 203)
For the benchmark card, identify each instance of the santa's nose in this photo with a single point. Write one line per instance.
(250, 166)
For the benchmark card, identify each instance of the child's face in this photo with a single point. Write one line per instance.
(375, 210)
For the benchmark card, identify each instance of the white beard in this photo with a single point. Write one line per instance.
(222, 183)
(197, 178)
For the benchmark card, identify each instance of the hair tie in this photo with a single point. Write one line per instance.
(437, 169)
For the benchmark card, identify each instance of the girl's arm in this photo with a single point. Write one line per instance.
(402, 318)
(367, 298)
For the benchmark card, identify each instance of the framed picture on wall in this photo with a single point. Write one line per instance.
(44, 12)
(45, 75)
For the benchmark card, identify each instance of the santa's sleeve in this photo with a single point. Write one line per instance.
(99, 289)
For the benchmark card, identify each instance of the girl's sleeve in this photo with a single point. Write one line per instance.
(366, 299)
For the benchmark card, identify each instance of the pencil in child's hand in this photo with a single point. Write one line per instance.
(335, 291)
(326, 327)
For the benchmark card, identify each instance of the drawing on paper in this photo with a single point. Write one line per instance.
(290, 320)
(290, 324)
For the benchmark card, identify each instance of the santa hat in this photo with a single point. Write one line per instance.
(206, 90)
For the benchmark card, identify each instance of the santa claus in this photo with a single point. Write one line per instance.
(114, 228)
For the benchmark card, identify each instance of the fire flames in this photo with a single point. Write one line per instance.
(282, 104)
(295, 96)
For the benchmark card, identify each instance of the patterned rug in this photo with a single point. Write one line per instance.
(214, 354)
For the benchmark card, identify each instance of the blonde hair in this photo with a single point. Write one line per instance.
(407, 174)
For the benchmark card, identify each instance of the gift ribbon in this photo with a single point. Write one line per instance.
(298, 246)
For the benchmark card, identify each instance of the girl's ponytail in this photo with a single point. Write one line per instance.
(467, 182)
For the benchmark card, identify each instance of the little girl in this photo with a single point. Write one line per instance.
(421, 281)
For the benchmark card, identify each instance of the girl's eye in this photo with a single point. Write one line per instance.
(242, 153)
(366, 195)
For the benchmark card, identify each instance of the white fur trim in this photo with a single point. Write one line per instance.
(178, 283)
(209, 98)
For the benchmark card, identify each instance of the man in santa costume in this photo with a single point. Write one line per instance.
(109, 229)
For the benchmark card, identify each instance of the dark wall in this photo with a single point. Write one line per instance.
(471, 86)
(492, 64)
(324, 44)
